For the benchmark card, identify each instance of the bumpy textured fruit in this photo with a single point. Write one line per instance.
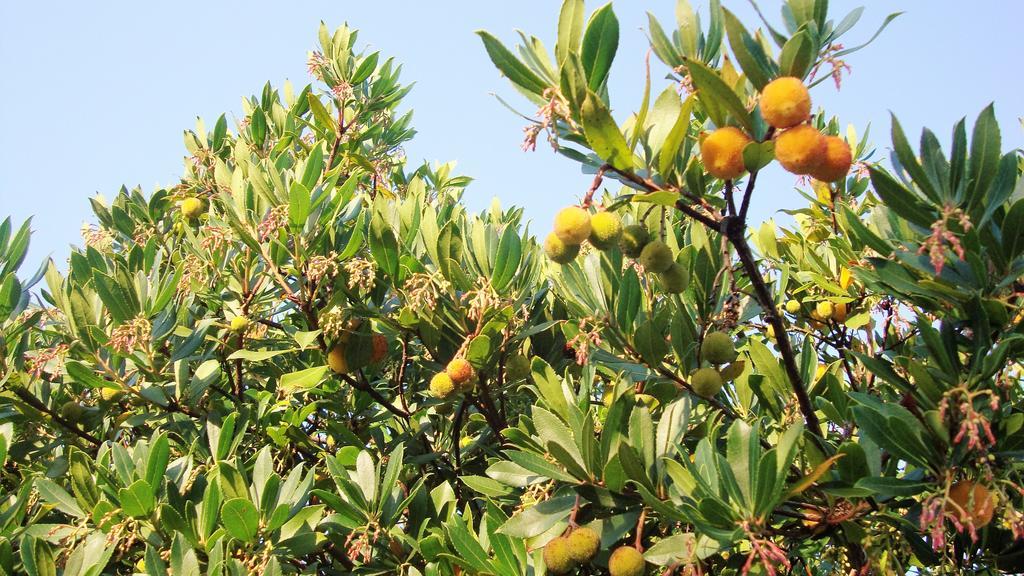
(675, 279)
(557, 557)
(380, 348)
(656, 257)
(517, 367)
(836, 162)
(840, 311)
(441, 385)
(558, 251)
(722, 152)
(71, 411)
(801, 149)
(824, 310)
(706, 382)
(459, 370)
(785, 102)
(337, 361)
(792, 306)
(605, 230)
(239, 324)
(718, 348)
(583, 545)
(572, 225)
(972, 501)
(626, 561)
(634, 238)
(191, 207)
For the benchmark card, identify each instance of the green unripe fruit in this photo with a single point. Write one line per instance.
(557, 557)
(71, 411)
(517, 367)
(626, 561)
(239, 324)
(605, 230)
(706, 382)
(792, 306)
(675, 279)
(441, 386)
(558, 251)
(583, 545)
(191, 208)
(572, 225)
(717, 348)
(633, 240)
(656, 257)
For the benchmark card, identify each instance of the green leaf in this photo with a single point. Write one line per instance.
(570, 29)
(138, 499)
(600, 41)
(797, 55)
(603, 133)
(256, 355)
(241, 519)
(368, 65)
(757, 155)
(384, 246)
(10, 295)
(749, 53)
(984, 157)
(717, 97)
(298, 205)
(510, 66)
(540, 517)
(302, 380)
(59, 497)
(900, 200)
(887, 486)
(507, 259)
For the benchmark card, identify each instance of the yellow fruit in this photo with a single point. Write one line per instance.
(633, 240)
(557, 558)
(583, 545)
(972, 501)
(380, 348)
(559, 252)
(111, 394)
(718, 348)
(656, 257)
(460, 371)
(785, 102)
(675, 279)
(800, 149)
(706, 382)
(517, 367)
(824, 310)
(792, 306)
(836, 162)
(770, 332)
(722, 152)
(605, 230)
(337, 361)
(839, 312)
(626, 561)
(191, 208)
(572, 225)
(441, 385)
(239, 324)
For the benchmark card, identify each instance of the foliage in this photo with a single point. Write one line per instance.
(234, 375)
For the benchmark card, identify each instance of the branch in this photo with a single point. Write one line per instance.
(735, 231)
(34, 402)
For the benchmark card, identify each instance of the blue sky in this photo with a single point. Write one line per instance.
(96, 95)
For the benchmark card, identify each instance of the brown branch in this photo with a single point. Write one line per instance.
(735, 230)
(34, 402)
(341, 136)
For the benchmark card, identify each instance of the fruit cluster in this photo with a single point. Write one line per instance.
(604, 231)
(565, 553)
(458, 376)
(799, 147)
(355, 349)
(718, 350)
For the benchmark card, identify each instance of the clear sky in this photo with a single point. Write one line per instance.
(96, 94)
